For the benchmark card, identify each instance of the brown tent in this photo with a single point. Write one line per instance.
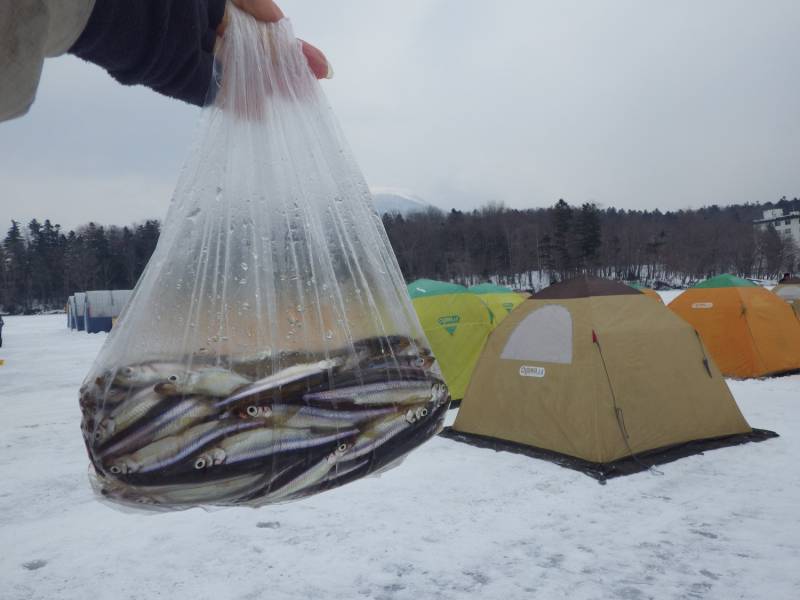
(597, 371)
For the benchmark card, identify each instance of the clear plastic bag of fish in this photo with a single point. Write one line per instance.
(270, 350)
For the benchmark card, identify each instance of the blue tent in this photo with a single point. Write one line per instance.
(79, 303)
(102, 306)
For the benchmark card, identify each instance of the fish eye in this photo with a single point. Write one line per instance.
(200, 463)
(127, 370)
(115, 469)
(97, 435)
(423, 412)
(172, 378)
(252, 411)
(342, 447)
(419, 361)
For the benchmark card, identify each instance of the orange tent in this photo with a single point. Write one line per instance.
(749, 331)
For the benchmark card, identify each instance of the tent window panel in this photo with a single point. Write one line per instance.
(545, 335)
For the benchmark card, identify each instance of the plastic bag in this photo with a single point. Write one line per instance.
(270, 350)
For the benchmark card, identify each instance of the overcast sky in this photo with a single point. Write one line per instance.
(627, 103)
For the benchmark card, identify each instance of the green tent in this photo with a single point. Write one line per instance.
(456, 324)
(500, 300)
(724, 281)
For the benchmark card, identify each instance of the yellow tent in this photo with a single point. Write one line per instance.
(456, 324)
(500, 300)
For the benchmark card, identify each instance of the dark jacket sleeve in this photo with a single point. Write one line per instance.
(166, 45)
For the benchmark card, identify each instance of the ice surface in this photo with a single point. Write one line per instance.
(452, 521)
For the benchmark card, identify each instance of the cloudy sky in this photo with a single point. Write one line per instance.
(627, 103)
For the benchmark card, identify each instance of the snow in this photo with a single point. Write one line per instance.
(452, 521)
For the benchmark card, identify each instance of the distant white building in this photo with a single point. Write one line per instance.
(788, 224)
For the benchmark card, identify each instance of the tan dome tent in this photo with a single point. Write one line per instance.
(596, 375)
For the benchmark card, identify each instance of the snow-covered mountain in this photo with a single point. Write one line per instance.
(390, 200)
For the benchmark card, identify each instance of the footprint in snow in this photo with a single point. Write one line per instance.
(268, 525)
(32, 565)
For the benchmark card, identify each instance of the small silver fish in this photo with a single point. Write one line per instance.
(302, 417)
(187, 494)
(127, 413)
(310, 477)
(258, 443)
(207, 381)
(172, 421)
(388, 392)
(170, 450)
(343, 469)
(378, 435)
(148, 374)
(281, 378)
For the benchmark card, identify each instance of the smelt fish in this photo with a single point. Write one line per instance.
(127, 413)
(378, 435)
(172, 421)
(148, 374)
(220, 490)
(170, 450)
(388, 392)
(281, 378)
(258, 443)
(211, 381)
(310, 477)
(302, 417)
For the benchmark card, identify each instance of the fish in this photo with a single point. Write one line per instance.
(388, 392)
(423, 363)
(181, 416)
(148, 374)
(221, 490)
(378, 435)
(312, 417)
(262, 442)
(170, 450)
(281, 378)
(310, 477)
(126, 414)
(345, 470)
(207, 381)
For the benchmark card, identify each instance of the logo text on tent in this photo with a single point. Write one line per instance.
(509, 306)
(703, 305)
(449, 322)
(529, 371)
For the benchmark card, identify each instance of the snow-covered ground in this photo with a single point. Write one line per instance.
(453, 521)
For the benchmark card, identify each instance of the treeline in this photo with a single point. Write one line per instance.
(524, 247)
(40, 265)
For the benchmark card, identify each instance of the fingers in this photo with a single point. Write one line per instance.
(269, 12)
(263, 10)
(317, 62)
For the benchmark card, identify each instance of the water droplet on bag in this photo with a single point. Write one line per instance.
(329, 335)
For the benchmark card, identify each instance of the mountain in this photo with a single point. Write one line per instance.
(389, 200)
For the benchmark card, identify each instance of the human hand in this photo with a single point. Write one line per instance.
(269, 12)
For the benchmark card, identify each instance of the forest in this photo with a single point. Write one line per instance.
(41, 265)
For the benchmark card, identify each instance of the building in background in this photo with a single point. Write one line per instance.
(786, 224)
